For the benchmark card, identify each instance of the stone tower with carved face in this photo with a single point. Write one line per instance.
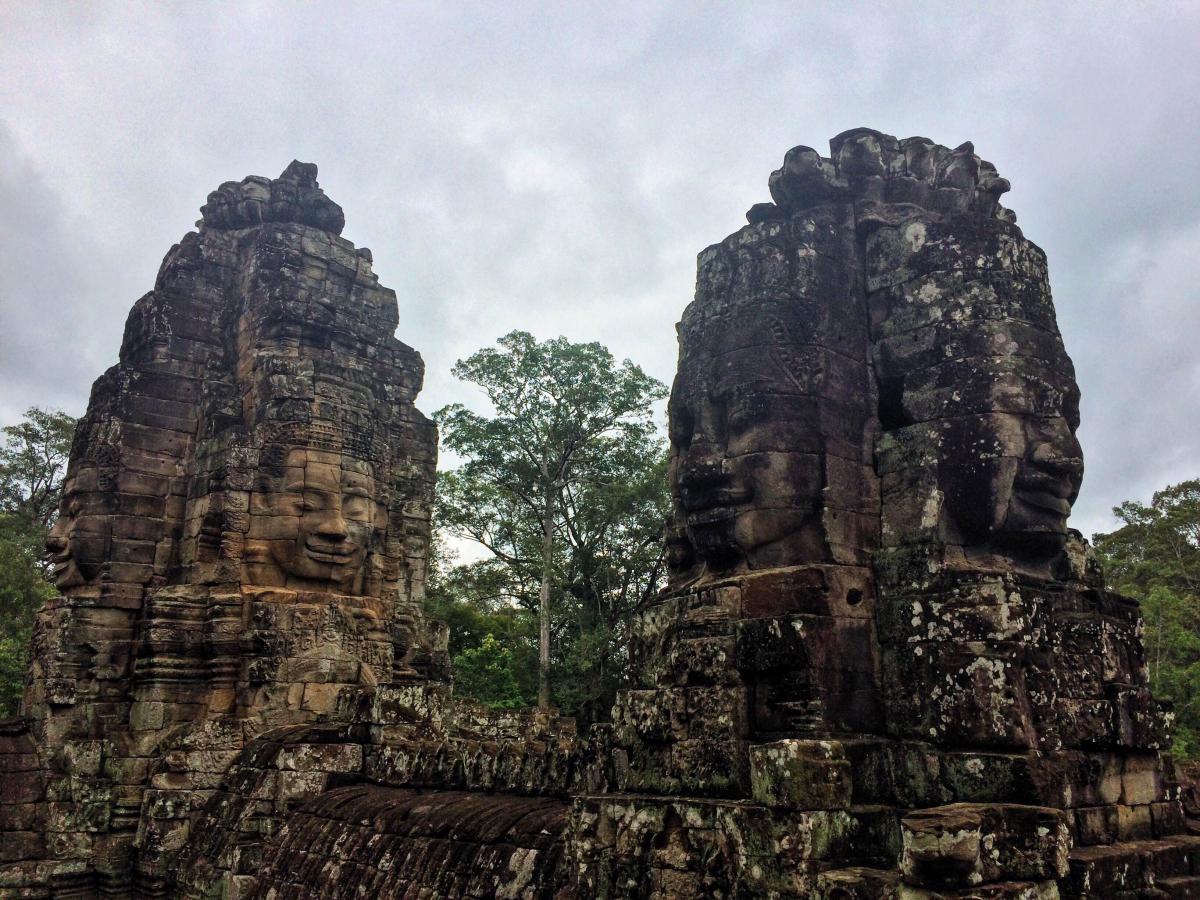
(243, 531)
(883, 666)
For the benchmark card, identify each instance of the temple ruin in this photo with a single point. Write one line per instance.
(883, 666)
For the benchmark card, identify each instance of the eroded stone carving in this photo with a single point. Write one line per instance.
(883, 667)
(292, 197)
(313, 519)
(771, 404)
(242, 536)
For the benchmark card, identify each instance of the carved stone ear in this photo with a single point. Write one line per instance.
(208, 541)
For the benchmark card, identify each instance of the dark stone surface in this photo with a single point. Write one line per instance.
(875, 601)
(390, 842)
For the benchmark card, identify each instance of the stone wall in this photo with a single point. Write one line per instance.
(402, 742)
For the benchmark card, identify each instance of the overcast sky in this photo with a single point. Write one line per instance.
(557, 168)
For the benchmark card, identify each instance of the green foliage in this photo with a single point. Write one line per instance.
(613, 562)
(565, 488)
(474, 602)
(1155, 557)
(33, 459)
(485, 673)
(22, 591)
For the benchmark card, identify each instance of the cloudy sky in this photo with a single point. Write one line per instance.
(557, 167)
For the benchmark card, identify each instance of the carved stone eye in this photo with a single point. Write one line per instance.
(746, 409)
(683, 426)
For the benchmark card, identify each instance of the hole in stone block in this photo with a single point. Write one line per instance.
(891, 404)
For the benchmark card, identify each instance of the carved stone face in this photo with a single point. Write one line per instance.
(1010, 480)
(1009, 466)
(318, 520)
(745, 475)
(78, 545)
(975, 385)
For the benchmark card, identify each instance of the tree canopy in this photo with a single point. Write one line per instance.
(33, 461)
(564, 486)
(1155, 557)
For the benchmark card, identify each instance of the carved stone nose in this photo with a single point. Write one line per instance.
(704, 470)
(333, 527)
(1060, 460)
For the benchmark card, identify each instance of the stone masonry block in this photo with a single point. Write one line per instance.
(800, 774)
(964, 845)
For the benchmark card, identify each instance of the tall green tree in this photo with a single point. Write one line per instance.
(1155, 557)
(614, 562)
(33, 460)
(564, 415)
(22, 591)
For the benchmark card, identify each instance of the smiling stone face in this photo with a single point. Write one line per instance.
(1017, 495)
(313, 521)
(80, 542)
(978, 399)
(771, 408)
(80, 546)
(746, 468)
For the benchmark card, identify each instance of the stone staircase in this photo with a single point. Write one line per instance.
(1012, 852)
(1168, 867)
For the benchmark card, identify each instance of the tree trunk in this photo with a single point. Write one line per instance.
(544, 602)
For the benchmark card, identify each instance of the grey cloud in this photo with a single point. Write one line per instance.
(46, 291)
(557, 167)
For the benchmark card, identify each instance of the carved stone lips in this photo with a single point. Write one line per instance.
(711, 515)
(1047, 501)
(700, 501)
(1045, 490)
(336, 556)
